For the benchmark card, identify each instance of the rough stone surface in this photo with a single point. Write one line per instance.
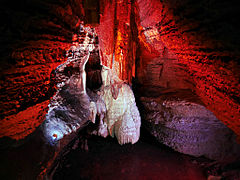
(159, 67)
(71, 107)
(69, 112)
(188, 127)
(203, 36)
(34, 38)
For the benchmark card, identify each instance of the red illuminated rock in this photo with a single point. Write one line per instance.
(166, 45)
(118, 44)
(35, 45)
(165, 39)
(202, 38)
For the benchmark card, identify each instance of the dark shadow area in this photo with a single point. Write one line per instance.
(147, 159)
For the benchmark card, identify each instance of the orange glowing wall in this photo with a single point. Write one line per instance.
(210, 62)
(116, 37)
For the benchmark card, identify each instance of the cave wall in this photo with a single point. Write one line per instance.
(34, 37)
(183, 45)
(204, 37)
(179, 45)
(118, 37)
(159, 68)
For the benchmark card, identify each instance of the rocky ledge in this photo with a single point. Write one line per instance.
(180, 121)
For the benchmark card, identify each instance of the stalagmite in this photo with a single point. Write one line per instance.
(122, 117)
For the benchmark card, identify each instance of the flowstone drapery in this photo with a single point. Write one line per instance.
(122, 117)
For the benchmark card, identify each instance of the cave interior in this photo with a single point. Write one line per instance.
(119, 89)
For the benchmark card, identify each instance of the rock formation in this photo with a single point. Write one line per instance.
(71, 107)
(184, 124)
(35, 46)
(157, 47)
(202, 35)
(122, 115)
(34, 38)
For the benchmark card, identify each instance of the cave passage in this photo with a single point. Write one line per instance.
(74, 69)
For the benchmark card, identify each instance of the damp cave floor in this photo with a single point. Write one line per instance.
(147, 159)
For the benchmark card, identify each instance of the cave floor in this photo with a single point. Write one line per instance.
(146, 159)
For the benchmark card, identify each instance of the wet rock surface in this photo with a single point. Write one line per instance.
(180, 121)
(146, 159)
(107, 159)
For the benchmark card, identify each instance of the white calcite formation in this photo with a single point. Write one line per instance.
(74, 105)
(122, 117)
(114, 104)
